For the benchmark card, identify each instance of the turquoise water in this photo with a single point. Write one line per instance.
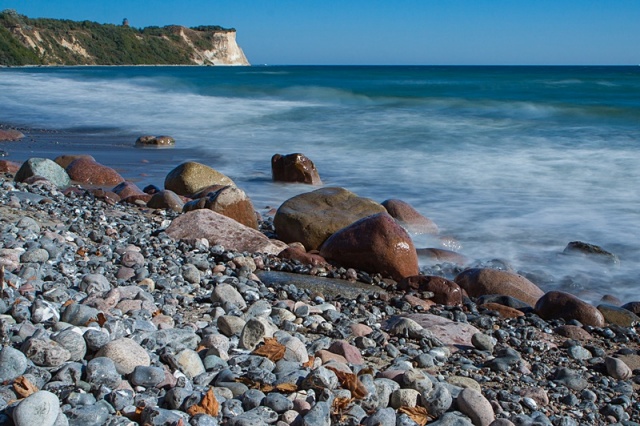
(511, 162)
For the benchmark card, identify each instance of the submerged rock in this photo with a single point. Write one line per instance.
(294, 168)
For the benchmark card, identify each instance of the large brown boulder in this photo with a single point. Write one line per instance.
(9, 167)
(312, 217)
(127, 189)
(64, 160)
(409, 218)
(191, 177)
(219, 229)
(10, 135)
(87, 171)
(294, 168)
(229, 201)
(445, 292)
(481, 281)
(376, 244)
(558, 304)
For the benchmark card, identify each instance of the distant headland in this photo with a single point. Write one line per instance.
(43, 41)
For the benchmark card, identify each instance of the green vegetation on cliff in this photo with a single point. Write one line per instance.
(42, 41)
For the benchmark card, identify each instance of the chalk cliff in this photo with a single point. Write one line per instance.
(25, 41)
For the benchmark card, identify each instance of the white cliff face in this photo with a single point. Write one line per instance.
(224, 51)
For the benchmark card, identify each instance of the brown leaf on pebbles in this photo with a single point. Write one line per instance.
(340, 406)
(309, 364)
(351, 382)
(271, 349)
(23, 387)
(208, 405)
(417, 414)
(263, 387)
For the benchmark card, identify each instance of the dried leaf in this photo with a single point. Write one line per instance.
(102, 319)
(417, 414)
(208, 405)
(266, 388)
(340, 404)
(351, 382)
(309, 363)
(24, 387)
(81, 251)
(271, 349)
(67, 303)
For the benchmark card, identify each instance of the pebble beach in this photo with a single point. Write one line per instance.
(112, 315)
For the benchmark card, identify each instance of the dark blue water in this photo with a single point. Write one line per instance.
(512, 162)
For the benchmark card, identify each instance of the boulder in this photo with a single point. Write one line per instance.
(591, 251)
(191, 177)
(46, 168)
(64, 160)
(155, 141)
(436, 255)
(312, 217)
(376, 244)
(229, 201)
(618, 316)
(10, 135)
(166, 200)
(9, 167)
(451, 333)
(482, 281)
(91, 172)
(633, 307)
(557, 304)
(409, 218)
(127, 189)
(219, 229)
(445, 292)
(294, 168)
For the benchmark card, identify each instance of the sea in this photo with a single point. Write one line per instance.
(511, 163)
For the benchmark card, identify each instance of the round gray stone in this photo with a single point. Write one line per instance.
(13, 364)
(40, 408)
(73, 342)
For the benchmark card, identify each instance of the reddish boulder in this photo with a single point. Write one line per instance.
(312, 217)
(229, 201)
(445, 292)
(190, 177)
(294, 168)
(85, 170)
(219, 229)
(302, 256)
(64, 160)
(376, 244)
(127, 189)
(166, 200)
(9, 167)
(481, 281)
(442, 256)
(10, 135)
(633, 307)
(409, 217)
(557, 304)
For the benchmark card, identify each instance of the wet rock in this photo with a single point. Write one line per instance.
(557, 304)
(294, 168)
(221, 230)
(10, 135)
(633, 307)
(482, 281)
(45, 168)
(618, 316)
(148, 141)
(127, 189)
(591, 251)
(229, 201)
(85, 170)
(190, 177)
(445, 292)
(376, 244)
(312, 217)
(166, 200)
(409, 218)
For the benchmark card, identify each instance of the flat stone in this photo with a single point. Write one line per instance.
(102, 371)
(404, 398)
(451, 333)
(348, 351)
(126, 354)
(189, 362)
(45, 353)
(226, 293)
(147, 376)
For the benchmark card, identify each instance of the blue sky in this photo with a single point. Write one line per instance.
(402, 32)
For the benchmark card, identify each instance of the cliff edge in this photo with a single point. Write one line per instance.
(26, 41)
